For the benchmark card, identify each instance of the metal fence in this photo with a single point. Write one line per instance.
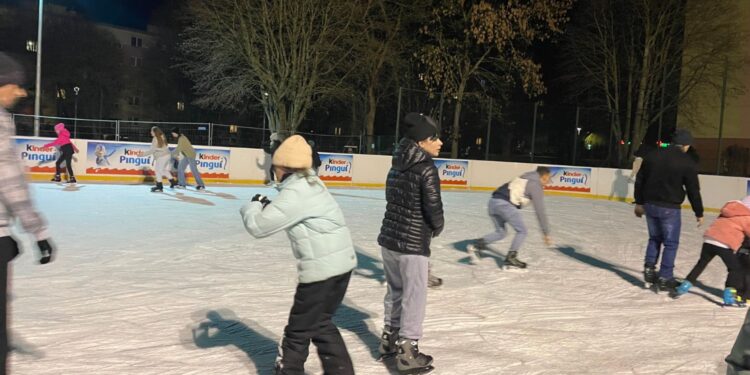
(207, 134)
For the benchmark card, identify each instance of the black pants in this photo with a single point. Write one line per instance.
(310, 319)
(735, 278)
(66, 155)
(8, 251)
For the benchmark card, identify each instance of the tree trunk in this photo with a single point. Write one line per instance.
(372, 104)
(457, 120)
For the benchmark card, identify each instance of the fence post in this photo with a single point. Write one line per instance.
(575, 136)
(721, 115)
(398, 116)
(117, 130)
(210, 133)
(489, 126)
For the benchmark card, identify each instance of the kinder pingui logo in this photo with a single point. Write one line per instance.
(38, 153)
(210, 161)
(452, 171)
(574, 178)
(134, 157)
(338, 166)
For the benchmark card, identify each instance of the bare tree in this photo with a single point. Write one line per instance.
(628, 53)
(486, 41)
(285, 54)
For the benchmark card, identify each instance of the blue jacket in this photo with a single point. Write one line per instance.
(312, 219)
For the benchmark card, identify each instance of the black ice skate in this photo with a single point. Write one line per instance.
(650, 276)
(388, 348)
(72, 180)
(474, 249)
(200, 187)
(433, 281)
(56, 178)
(158, 188)
(172, 183)
(667, 285)
(511, 260)
(410, 361)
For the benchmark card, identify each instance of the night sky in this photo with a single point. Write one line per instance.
(126, 13)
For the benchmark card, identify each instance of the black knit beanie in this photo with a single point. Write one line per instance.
(420, 127)
(682, 137)
(11, 72)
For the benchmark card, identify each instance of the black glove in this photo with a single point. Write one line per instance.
(262, 199)
(45, 250)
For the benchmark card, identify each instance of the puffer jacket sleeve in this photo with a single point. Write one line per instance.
(282, 213)
(432, 203)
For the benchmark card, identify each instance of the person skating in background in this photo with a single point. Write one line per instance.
(322, 244)
(316, 163)
(660, 187)
(67, 149)
(15, 199)
(413, 216)
(504, 208)
(162, 157)
(724, 238)
(187, 155)
(274, 140)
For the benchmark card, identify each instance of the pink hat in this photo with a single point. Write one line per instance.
(746, 201)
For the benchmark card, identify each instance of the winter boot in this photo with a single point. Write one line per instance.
(667, 285)
(56, 178)
(172, 183)
(388, 340)
(72, 180)
(474, 250)
(730, 296)
(682, 288)
(511, 260)
(200, 187)
(649, 275)
(433, 281)
(409, 360)
(158, 188)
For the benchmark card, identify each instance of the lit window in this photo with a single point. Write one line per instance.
(479, 141)
(61, 93)
(180, 106)
(136, 42)
(233, 129)
(31, 46)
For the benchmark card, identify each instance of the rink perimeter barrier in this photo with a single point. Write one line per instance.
(121, 162)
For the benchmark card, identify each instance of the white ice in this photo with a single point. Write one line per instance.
(171, 283)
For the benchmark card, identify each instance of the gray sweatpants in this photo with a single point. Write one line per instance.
(501, 212)
(406, 298)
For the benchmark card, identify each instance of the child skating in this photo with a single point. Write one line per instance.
(322, 244)
(162, 156)
(67, 149)
(724, 238)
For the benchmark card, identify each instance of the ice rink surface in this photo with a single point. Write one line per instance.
(171, 283)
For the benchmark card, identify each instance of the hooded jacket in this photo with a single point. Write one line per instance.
(523, 189)
(63, 137)
(414, 212)
(314, 223)
(664, 178)
(732, 225)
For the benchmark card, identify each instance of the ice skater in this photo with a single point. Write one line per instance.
(162, 156)
(15, 200)
(67, 148)
(660, 187)
(413, 216)
(186, 153)
(322, 244)
(504, 208)
(724, 238)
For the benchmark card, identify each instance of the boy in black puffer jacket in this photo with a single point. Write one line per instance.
(413, 216)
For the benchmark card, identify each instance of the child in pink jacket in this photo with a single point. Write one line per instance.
(723, 238)
(67, 149)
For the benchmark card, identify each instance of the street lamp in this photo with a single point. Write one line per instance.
(38, 89)
(75, 113)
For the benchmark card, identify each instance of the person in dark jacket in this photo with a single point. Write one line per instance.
(270, 149)
(660, 188)
(315, 156)
(504, 208)
(413, 216)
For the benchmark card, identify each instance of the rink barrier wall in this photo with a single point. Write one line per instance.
(248, 167)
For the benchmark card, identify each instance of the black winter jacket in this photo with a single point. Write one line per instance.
(414, 213)
(665, 177)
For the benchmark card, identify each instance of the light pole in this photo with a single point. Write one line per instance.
(38, 96)
(75, 113)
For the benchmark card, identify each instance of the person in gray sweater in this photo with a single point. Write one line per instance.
(504, 208)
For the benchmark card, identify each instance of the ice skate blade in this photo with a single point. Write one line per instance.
(386, 357)
(418, 371)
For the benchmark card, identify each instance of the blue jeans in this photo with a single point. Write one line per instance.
(501, 212)
(193, 169)
(663, 229)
